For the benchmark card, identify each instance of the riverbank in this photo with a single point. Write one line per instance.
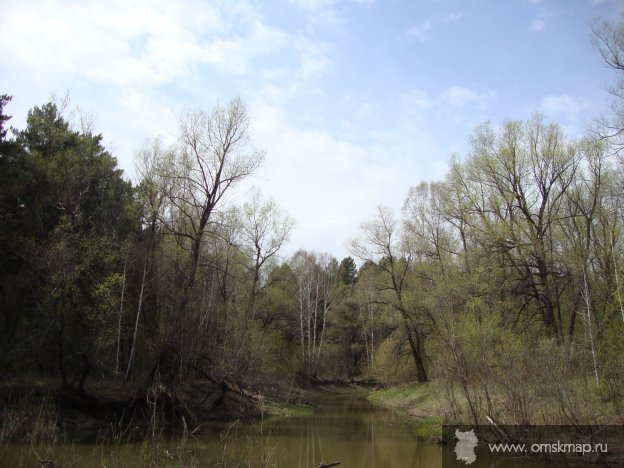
(41, 411)
(43, 424)
(326, 422)
(424, 403)
(428, 406)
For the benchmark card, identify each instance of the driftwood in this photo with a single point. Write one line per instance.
(226, 386)
(328, 465)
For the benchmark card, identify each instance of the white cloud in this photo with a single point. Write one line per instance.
(419, 31)
(314, 60)
(562, 104)
(459, 96)
(416, 99)
(138, 62)
(459, 106)
(568, 111)
(331, 183)
(316, 176)
(134, 43)
(537, 25)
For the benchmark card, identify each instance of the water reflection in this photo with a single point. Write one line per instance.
(344, 428)
(349, 429)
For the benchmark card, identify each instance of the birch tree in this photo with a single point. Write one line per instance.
(315, 276)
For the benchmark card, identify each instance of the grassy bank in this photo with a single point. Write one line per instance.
(284, 410)
(301, 401)
(423, 402)
(574, 402)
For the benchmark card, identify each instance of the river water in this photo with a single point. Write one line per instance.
(344, 427)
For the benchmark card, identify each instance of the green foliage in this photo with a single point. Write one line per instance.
(65, 210)
(610, 352)
(392, 363)
(428, 427)
(4, 100)
(276, 358)
(509, 266)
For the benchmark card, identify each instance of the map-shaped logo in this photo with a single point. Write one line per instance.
(465, 446)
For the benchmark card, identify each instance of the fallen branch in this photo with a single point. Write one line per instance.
(498, 428)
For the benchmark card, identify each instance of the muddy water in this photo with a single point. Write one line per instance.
(351, 430)
(344, 427)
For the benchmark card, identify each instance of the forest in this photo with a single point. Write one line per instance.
(502, 283)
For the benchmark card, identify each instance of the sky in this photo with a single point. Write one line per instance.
(353, 101)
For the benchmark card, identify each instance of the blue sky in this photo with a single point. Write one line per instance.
(354, 101)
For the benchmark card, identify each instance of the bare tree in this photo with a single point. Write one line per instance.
(265, 229)
(608, 40)
(514, 184)
(214, 154)
(382, 242)
(425, 222)
(151, 165)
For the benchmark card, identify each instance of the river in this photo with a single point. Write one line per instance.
(344, 427)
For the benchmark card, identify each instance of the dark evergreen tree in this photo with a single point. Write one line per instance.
(348, 271)
(65, 209)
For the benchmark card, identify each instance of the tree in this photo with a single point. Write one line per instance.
(382, 242)
(515, 181)
(213, 156)
(264, 230)
(608, 40)
(367, 308)
(427, 226)
(242, 251)
(69, 210)
(151, 194)
(4, 100)
(348, 271)
(315, 276)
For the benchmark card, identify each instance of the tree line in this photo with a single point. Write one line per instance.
(503, 281)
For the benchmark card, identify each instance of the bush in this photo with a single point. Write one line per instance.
(392, 363)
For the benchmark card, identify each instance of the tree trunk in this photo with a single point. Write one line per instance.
(416, 349)
(136, 323)
(121, 303)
